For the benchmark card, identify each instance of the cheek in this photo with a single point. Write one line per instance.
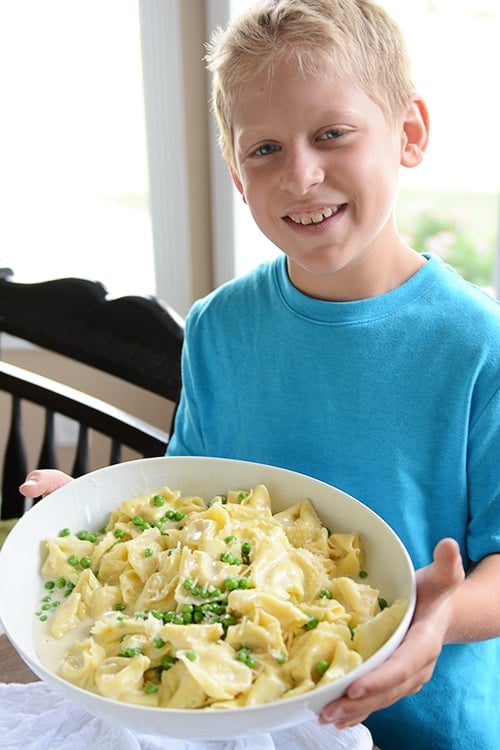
(378, 174)
(254, 195)
(262, 213)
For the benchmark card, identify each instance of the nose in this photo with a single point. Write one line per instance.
(302, 170)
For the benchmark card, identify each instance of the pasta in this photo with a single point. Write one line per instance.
(181, 604)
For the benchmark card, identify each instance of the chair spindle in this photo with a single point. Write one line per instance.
(15, 465)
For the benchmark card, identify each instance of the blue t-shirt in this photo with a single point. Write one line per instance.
(396, 400)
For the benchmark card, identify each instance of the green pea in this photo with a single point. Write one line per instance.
(151, 688)
(65, 532)
(321, 666)
(191, 655)
(85, 562)
(246, 548)
(219, 609)
(167, 662)
(228, 557)
(86, 536)
(73, 560)
(158, 501)
(245, 655)
(131, 651)
(198, 616)
(312, 623)
(222, 498)
(227, 620)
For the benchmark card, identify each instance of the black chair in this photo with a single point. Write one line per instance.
(135, 338)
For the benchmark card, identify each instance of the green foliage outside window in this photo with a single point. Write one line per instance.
(454, 232)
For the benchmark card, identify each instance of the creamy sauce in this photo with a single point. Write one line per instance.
(51, 651)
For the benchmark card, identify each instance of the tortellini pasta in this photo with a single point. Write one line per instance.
(182, 604)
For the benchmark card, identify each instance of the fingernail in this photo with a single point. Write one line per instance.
(356, 693)
(335, 716)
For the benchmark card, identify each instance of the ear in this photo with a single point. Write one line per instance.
(415, 133)
(235, 178)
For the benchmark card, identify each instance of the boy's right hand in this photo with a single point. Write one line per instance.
(42, 482)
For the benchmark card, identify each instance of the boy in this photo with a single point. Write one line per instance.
(351, 357)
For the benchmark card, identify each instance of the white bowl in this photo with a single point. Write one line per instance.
(87, 502)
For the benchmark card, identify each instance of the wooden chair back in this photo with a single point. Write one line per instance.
(137, 339)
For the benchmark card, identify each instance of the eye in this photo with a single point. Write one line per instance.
(265, 149)
(331, 134)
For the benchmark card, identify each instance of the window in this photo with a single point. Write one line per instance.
(450, 203)
(74, 178)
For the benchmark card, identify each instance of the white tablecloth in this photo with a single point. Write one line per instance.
(35, 717)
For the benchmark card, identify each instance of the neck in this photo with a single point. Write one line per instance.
(370, 277)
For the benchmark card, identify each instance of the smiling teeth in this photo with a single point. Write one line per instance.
(314, 218)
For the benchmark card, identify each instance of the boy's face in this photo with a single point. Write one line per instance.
(317, 163)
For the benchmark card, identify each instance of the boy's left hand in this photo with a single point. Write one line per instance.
(412, 664)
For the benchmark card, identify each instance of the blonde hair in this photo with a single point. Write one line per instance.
(357, 36)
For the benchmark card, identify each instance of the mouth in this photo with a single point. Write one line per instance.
(318, 216)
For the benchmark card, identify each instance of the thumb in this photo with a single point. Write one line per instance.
(437, 581)
(41, 482)
(448, 571)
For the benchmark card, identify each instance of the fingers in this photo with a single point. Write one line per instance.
(42, 482)
(412, 664)
(404, 673)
